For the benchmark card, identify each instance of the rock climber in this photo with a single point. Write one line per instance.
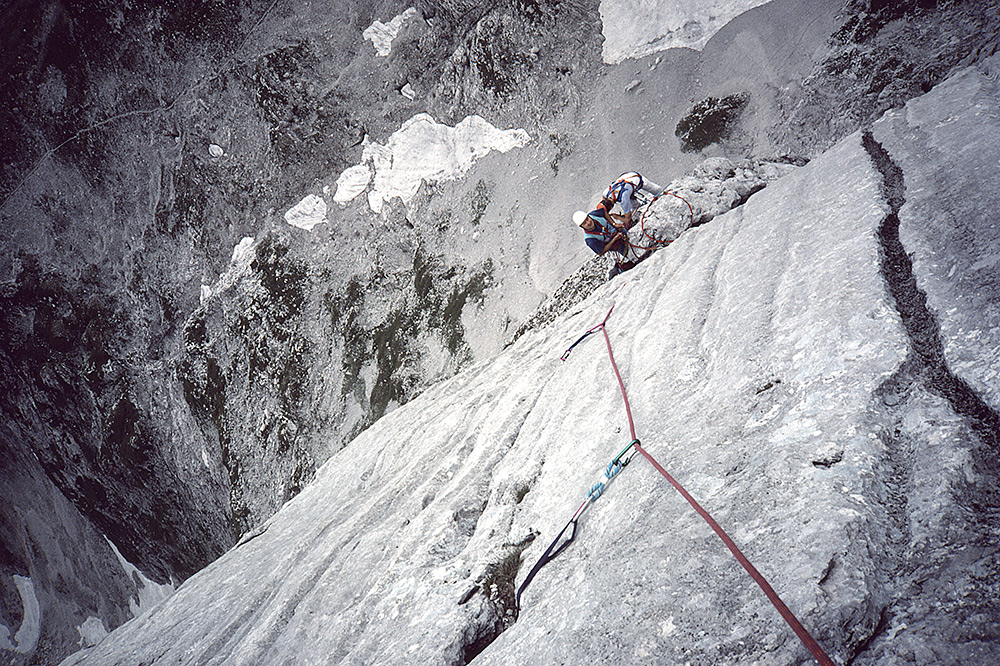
(603, 234)
(605, 231)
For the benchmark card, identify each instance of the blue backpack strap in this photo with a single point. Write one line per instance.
(615, 190)
(603, 232)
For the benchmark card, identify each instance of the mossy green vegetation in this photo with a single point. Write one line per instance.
(390, 348)
(479, 201)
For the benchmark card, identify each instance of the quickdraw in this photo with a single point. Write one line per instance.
(612, 470)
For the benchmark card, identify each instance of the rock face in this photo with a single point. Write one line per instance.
(710, 121)
(140, 146)
(817, 367)
(884, 53)
(192, 319)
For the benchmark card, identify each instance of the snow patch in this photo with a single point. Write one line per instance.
(243, 251)
(307, 213)
(637, 28)
(381, 34)
(352, 182)
(148, 593)
(92, 632)
(26, 637)
(420, 150)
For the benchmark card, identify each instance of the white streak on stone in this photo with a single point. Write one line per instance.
(149, 593)
(307, 213)
(637, 28)
(381, 34)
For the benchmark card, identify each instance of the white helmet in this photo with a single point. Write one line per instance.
(578, 217)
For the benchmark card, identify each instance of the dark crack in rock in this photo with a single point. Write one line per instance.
(959, 549)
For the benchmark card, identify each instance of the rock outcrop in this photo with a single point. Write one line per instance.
(714, 187)
(816, 366)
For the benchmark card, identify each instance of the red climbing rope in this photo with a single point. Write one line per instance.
(659, 243)
(614, 366)
(800, 631)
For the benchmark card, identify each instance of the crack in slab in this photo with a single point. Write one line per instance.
(921, 326)
(925, 370)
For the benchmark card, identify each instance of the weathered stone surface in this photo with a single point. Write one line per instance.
(714, 187)
(710, 121)
(143, 142)
(771, 366)
(953, 234)
(47, 542)
(883, 54)
(946, 289)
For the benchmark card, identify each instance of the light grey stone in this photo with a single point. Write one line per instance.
(769, 370)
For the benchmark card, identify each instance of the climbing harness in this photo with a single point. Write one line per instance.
(619, 463)
(614, 193)
(605, 232)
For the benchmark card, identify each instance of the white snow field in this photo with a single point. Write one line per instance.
(665, 25)
(760, 352)
(381, 34)
(423, 150)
